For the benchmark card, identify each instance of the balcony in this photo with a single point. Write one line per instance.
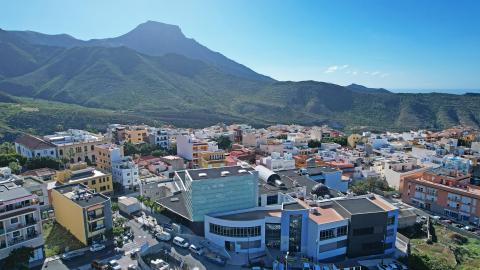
(20, 239)
(94, 217)
(21, 225)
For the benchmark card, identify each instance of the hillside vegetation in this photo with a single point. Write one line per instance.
(50, 80)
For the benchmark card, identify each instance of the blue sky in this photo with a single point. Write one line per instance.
(393, 44)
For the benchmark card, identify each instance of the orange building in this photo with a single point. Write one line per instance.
(446, 193)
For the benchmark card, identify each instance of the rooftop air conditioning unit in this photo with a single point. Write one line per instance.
(202, 175)
(242, 171)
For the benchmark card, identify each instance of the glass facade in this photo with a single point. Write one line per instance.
(224, 194)
(295, 233)
(272, 235)
(235, 231)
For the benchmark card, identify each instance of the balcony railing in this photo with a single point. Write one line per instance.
(93, 217)
(96, 228)
(21, 239)
(22, 225)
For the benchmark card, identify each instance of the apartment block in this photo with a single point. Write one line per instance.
(85, 214)
(106, 154)
(211, 159)
(444, 192)
(20, 221)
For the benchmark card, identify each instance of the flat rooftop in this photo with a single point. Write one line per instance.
(80, 195)
(10, 191)
(321, 169)
(252, 215)
(201, 174)
(359, 205)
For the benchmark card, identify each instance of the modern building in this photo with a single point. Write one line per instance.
(444, 192)
(106, 154)
(20, 221)
(81, 173)
(76, 145)
(31, 146)
(282, 211)
(85, 214)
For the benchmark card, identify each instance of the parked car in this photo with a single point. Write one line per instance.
(132, 267)
(97, 247)
(179, 241)
(469, 228)
(448, 221)
(98, 265)
(399, 265)
(114, 265)
(458, 226)
(163, 236)
(436, 217)
(72, 254)
(195, 249)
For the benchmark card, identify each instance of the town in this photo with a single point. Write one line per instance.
(235, 196)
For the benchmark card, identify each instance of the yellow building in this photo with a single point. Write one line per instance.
(80, 173)
(212, 159)
(135, 134)
(84, 214)
(353, 139)
(105, 154)
(197, 149)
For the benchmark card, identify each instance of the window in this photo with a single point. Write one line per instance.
(391, 221)
(85, 148)
(60, 152)
(91, 147)
(235, 231)
(327, 234)
(16, 233)
(103, 188)
(14, 220)
(94, 182)
(85, 183)
(342, 231)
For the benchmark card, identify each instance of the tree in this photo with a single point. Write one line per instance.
(314, 143)
(6, 159)
(224, 142)
(7, 148)
(15, 167)
(18, 258)
(43, 162)
(114, 206)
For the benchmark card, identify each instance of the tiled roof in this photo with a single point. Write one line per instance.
(34, 143)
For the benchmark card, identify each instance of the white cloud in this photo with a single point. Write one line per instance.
(355, 73)
(375, 73)
(332, 69)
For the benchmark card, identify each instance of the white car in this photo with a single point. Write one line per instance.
(179, 241)
(195, 249)
(97, 247)
(114, 265)
(72, 254)
(163, 236)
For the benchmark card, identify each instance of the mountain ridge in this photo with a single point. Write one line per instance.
(176, 88)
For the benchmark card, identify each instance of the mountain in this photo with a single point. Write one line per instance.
(363, 89)
(103, 81)
(155, 39)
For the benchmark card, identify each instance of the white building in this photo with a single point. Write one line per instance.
(125, 172)
(159, 137)
(276, 162)
(30, 146)
(20, 222)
